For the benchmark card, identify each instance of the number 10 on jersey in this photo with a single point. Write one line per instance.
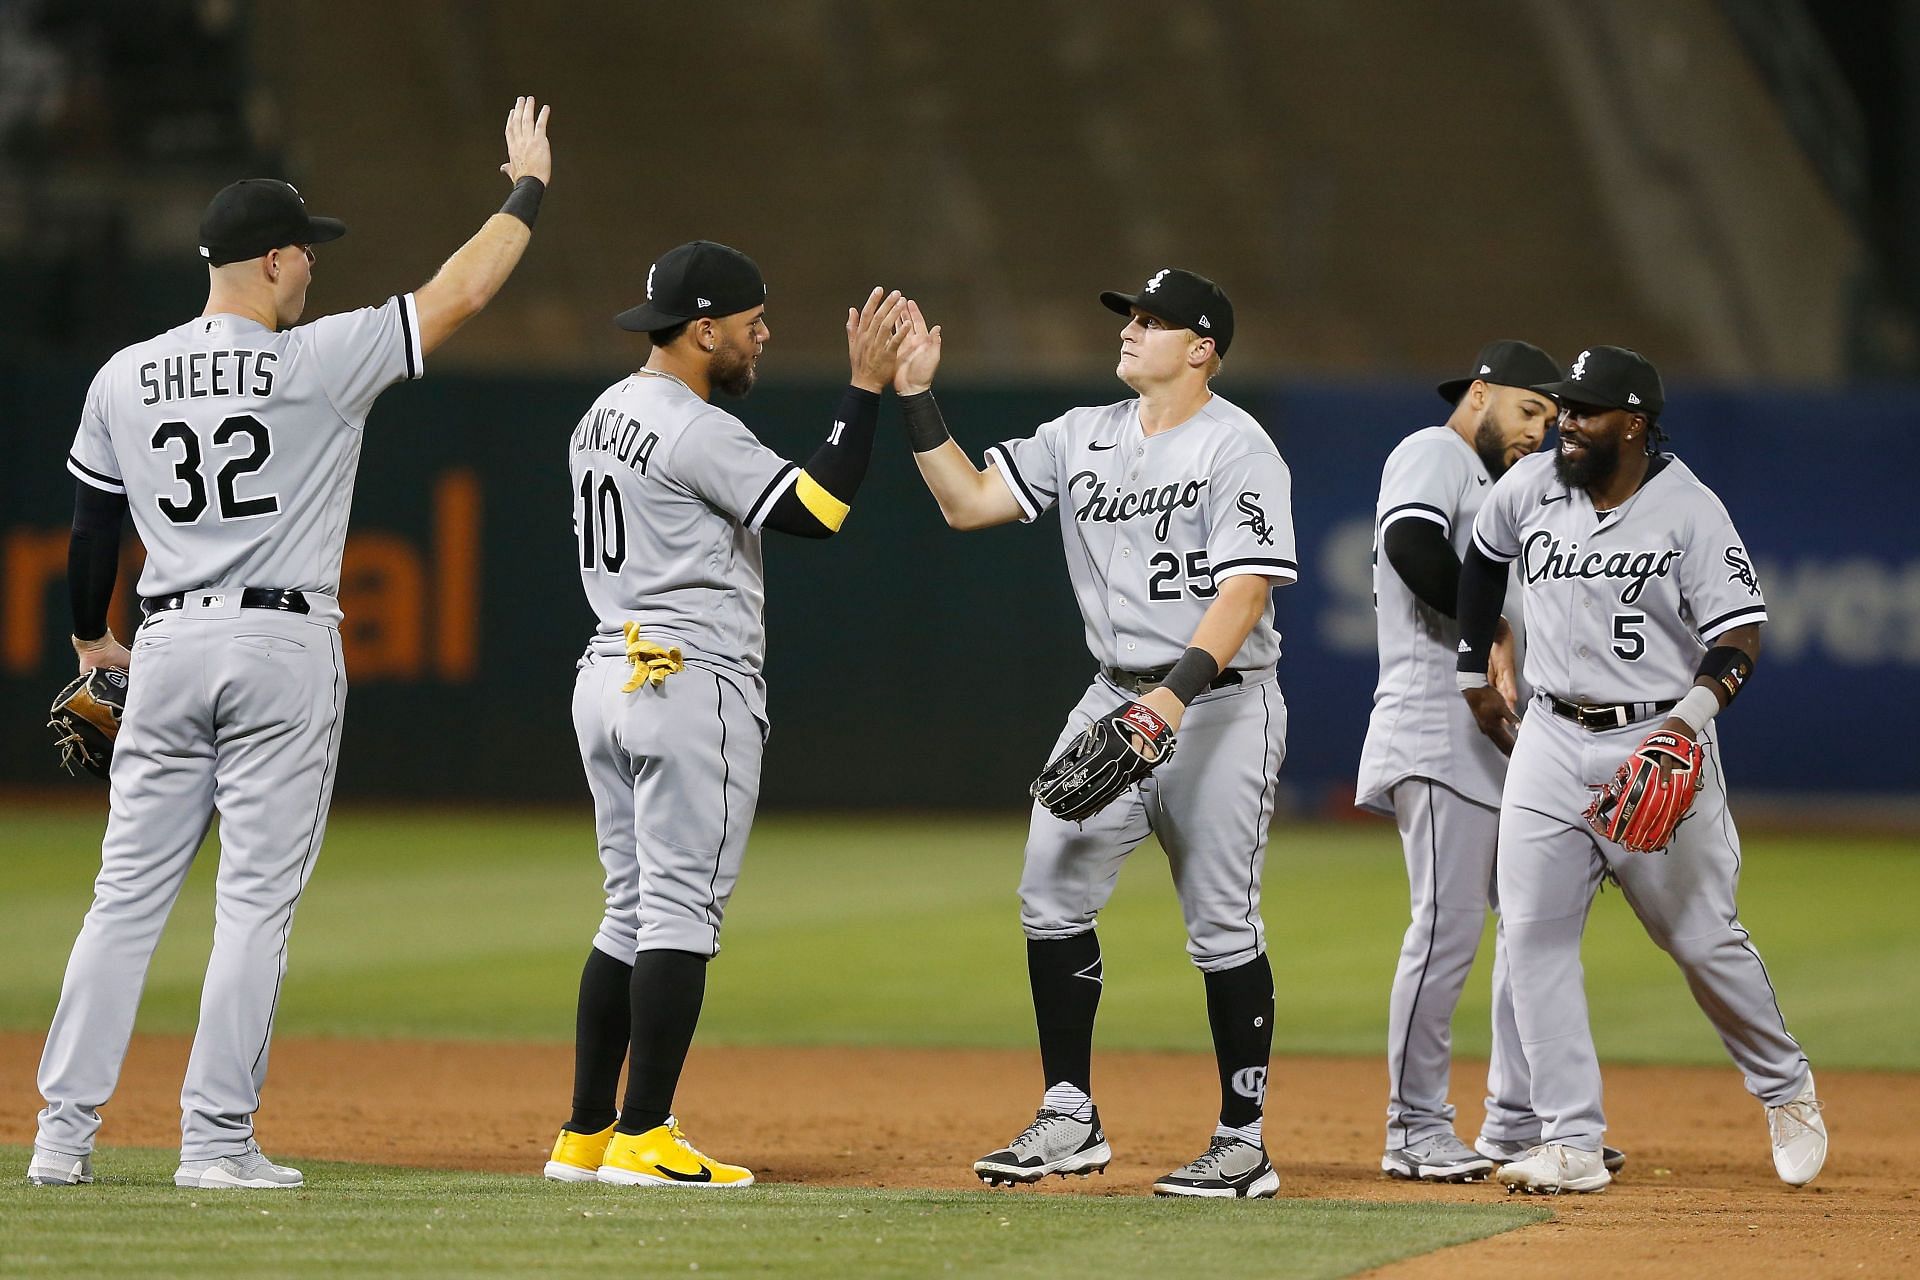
(600, 524)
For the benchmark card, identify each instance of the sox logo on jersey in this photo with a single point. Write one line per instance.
(1256, 519)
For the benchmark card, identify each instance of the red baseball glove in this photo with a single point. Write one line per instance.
(1654, 789)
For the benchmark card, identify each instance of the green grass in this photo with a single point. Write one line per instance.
(363, 1220)
(905, 931)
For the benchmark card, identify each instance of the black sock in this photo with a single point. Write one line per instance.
(1240, 1010)
(1065, 974)
(667, 989)
(600, 1031)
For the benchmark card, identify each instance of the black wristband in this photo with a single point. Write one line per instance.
(1191, 675)
(524, 202)
(1728, 667)
(926, 429)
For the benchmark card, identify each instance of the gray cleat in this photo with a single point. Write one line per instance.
(1501, 1151)
(57, 1169)
(1054, 1143)
(1231, 1168)
(1439, 1158)
(248, 1171)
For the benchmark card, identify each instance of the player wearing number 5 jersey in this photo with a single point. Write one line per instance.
(671, 496)
(232, 440)
(1177, 516)
(1643, 618)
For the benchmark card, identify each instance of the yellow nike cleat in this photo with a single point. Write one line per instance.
(577, 1156)
(662, 1157)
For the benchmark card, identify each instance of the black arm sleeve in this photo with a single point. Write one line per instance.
(1420, 553)
(1483, 590)
(93, 557)
(838, 466)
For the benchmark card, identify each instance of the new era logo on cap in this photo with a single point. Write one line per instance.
(1205, 323)
(1632, 398)
(1486, 368)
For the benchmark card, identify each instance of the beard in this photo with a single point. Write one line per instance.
(1491, 448)
(732, 370)
(1601, 459)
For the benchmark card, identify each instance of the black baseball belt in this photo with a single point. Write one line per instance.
(1139, 682)
(1613, 715)
(250, 598)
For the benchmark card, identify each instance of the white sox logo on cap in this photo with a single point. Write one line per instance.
(650, 271)
(1158, 276)
(1580, 366)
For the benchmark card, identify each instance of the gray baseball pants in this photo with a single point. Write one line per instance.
(230, 710)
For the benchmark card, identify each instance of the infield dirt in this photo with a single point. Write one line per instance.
(1698, 1189)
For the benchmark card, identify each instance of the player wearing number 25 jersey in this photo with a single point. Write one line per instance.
(1176, 513)
(232, 440)
(671, 495)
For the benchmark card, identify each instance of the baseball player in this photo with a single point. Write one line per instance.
(1643, 619)
(671, 496)
(1427, 766)
(232, 440)
(1176, 512)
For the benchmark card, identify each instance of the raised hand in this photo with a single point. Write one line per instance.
(874, 335)
(919, 354)
(528, 155)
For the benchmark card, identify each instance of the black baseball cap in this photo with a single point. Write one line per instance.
(1504, 362)
(255, 215)
(1610, 378)
(699, 278)
(1183, 299)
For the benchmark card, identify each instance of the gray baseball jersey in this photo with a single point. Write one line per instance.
(1421, 734)
(1620, 604)
(236, 448)
(669, 495)
(1153, 524)
(1420, 725)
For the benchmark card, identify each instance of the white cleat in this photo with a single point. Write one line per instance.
(1799, 1137)
(1553, 1168)
(248, 1171)
(53, 1169)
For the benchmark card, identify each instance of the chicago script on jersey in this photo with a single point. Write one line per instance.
(1127, 505)
(1543, 558)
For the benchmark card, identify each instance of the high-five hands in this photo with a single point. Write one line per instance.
(874, 335)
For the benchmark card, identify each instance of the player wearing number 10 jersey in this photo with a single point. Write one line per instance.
(671, 495)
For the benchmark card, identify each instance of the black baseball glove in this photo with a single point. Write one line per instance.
(86, 718)
(1110, 755)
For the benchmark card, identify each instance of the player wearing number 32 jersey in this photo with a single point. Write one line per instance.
(233, 441)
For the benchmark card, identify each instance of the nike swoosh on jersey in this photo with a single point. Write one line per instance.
(1545, 498)
(705, 1174)
(1097, 447)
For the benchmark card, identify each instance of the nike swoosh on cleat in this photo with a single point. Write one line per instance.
(705, 1175)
